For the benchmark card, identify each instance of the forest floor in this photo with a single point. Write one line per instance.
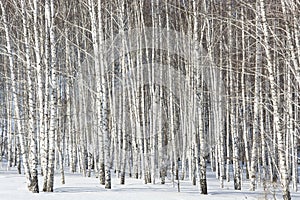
(13, 187)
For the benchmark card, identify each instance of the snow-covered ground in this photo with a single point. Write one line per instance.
(13, 187)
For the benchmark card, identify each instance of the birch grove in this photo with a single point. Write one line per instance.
(154, 90)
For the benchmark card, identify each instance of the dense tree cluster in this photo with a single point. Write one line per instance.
(151, 89)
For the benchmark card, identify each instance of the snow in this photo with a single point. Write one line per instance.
(13, 187)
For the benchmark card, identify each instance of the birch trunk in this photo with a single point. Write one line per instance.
(95, 38)
(32, 135)
(235, 125)
(104, 104)
(256, 123)
(243, 87)
(49, 16)
(8, 128)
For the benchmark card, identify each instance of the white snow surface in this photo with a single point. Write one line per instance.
(77, 187)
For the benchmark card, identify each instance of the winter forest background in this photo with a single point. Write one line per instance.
(154, 90)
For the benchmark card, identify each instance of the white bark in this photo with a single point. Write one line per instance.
(49, 16)
(103, 99)
(254, 153)
(243, 86)
(8, 128)
(31, 131)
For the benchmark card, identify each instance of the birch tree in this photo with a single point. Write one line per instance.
(50, 24)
